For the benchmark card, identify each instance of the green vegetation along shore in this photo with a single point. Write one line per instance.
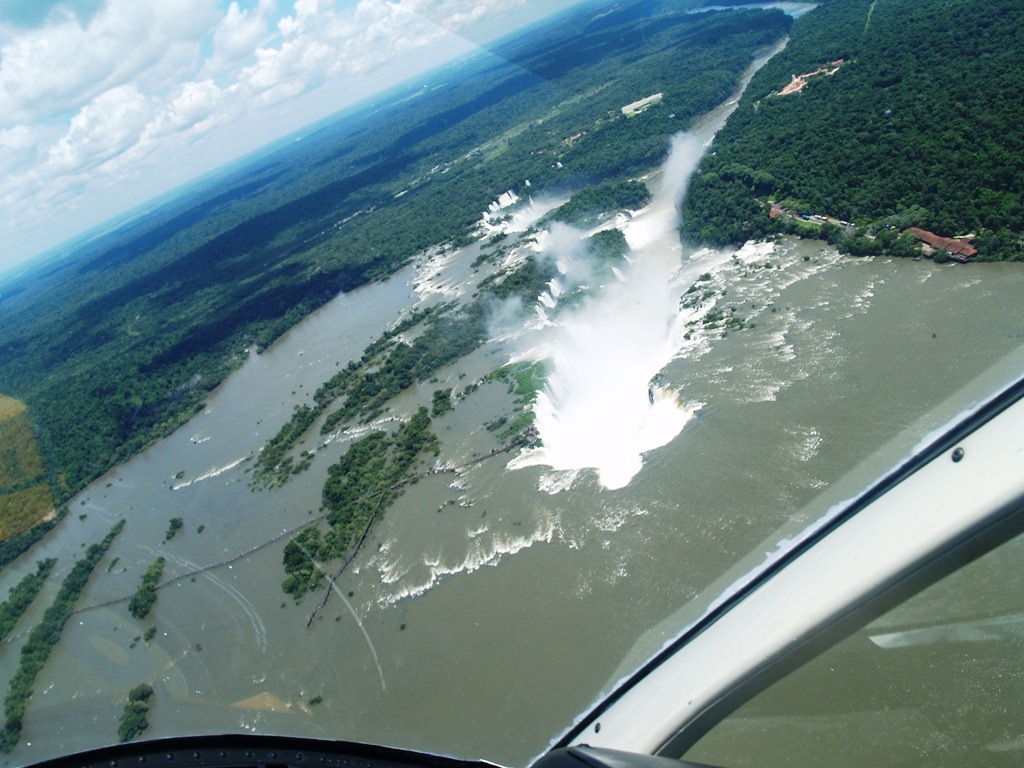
(907, 132)
(16, 545)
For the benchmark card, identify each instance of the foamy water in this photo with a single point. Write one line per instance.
(211, 473)
(483, 548)
(600, 409)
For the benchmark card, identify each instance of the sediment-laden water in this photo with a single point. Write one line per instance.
(695, 403)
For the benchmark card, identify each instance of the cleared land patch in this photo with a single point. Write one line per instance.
(24, 494)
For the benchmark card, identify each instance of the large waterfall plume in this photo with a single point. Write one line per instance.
(600, 409)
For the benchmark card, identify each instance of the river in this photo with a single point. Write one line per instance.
(489, 608)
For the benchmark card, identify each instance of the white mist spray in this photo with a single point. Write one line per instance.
(599, 409)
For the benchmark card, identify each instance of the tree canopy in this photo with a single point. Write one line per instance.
(923, 117)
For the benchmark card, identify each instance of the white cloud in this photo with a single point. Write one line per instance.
(108, 109)
(193, 107)
(63, 65)
(238, 35)
(321, 43)
(20, 149)
(106, 126)
(17, 138)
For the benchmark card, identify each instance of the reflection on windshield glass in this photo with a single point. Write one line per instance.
(935, 680)
(425, 425)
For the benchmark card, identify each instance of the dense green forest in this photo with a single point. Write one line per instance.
(919, 127)
(44, 637)
(120, 342)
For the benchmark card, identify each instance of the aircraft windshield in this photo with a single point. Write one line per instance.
(425, 421)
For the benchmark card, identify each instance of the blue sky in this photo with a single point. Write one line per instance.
(107, 103)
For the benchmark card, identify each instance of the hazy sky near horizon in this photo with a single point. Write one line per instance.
(105, 104)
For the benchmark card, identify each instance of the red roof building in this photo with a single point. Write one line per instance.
(958, 248)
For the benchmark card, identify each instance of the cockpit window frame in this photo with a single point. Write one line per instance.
(963, 482)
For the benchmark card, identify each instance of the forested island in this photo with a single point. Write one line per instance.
(907, 132)
(144, 597)
(133, 719)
